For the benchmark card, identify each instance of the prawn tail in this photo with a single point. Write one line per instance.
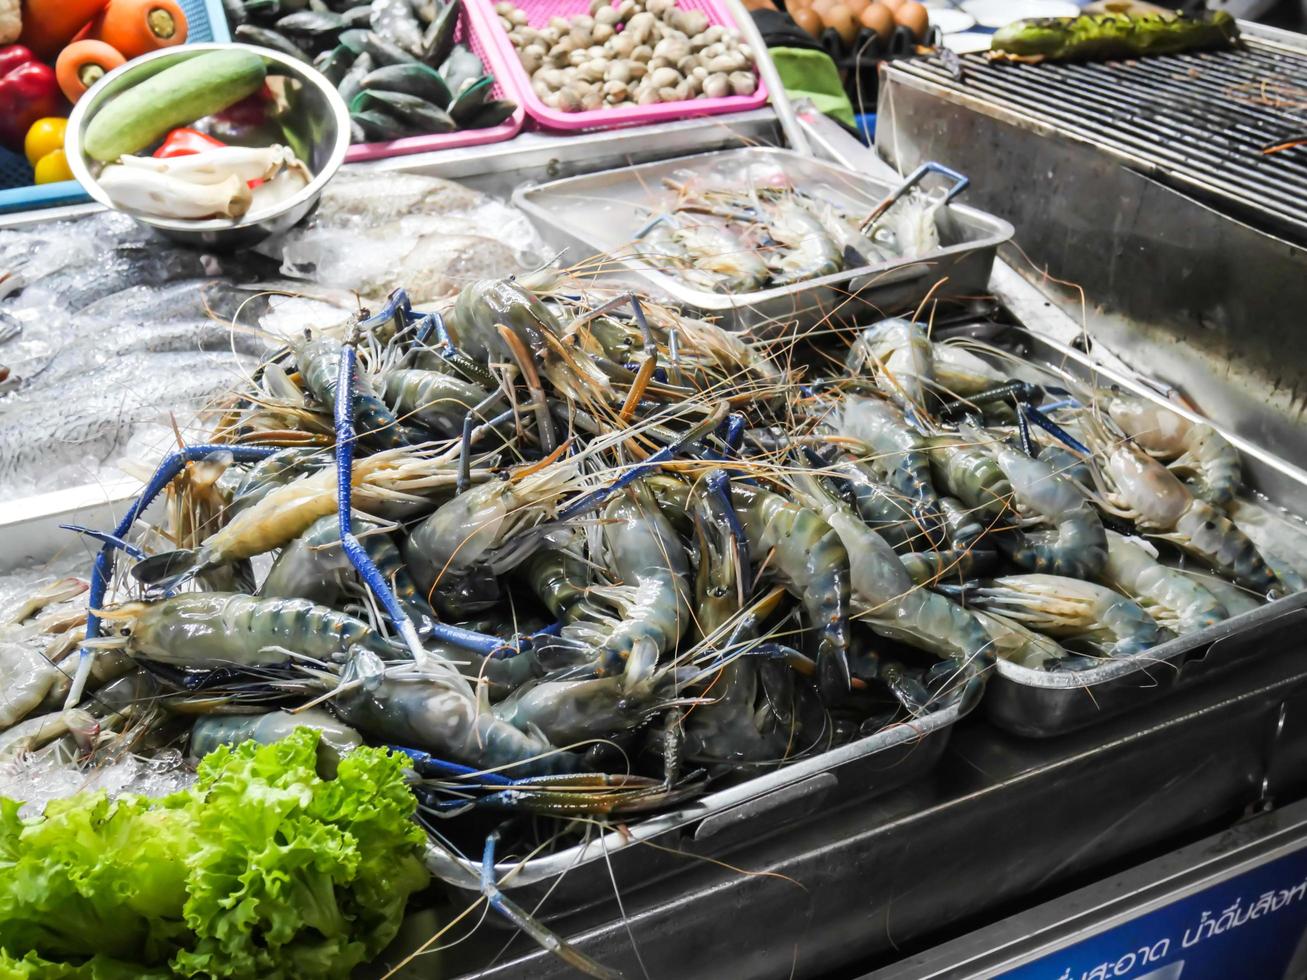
(170, 569)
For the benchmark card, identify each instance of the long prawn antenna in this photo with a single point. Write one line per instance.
(517, 915)
(102, 568)
(595, 499)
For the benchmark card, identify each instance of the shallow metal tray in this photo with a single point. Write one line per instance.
(722, 821)
(602, 212)
(1038, 703)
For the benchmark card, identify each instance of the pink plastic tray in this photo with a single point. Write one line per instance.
(470, 33)
(538, 13)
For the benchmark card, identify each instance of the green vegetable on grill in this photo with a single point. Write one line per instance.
(1099, 37)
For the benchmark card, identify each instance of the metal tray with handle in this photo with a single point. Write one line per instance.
(1038, 703)
(603, 213)
(718, 823)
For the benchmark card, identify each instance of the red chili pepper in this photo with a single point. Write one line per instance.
(184, 141)
(13, 55)
(27, 93)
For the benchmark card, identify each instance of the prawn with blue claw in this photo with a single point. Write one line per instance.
(581, 556)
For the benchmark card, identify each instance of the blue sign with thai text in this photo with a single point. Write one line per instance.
(1249, 927)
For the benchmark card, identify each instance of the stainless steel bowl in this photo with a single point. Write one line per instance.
(317, 123)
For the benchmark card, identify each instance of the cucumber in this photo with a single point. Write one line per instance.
(176, 96)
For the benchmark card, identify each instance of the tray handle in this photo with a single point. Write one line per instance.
(960, 184)
(781, 806)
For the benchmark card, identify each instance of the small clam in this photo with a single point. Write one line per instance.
(592, 98)
(671, 48)
(518, 17)
(664, 77)
(641, 27)
(563, 48)
(552, 77)
(688, 64)
(699, 72)
(657, 62)
(543, 92)
(504, 8)
(581, 36)
(592, 71)
(637, 69)
(602, 32)
(614, 91)
(506, 24)
(578, 58)
(691, 22)
(713, 34)
(642, 52)
(606, 15)
(532, 58)
(626, 10)
(745, 50)
(743, 82)
(660, 8)
(721, 63)
(618, 71)
(717, 86)
(647, 96)
(623, 45)
(713, 50)
(569, 100)
(693, 84)
(560, 24)
(598, 6)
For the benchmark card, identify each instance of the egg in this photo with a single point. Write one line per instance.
(913, 16)
(892, 5)
(877, 19)
(841, 22)
(808, 20)
(856, 7)
(821, 6)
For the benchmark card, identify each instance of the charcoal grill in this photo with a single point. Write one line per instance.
(1143, 182)
(1199, 122)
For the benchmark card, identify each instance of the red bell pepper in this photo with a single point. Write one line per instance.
(13, 55)
(28, 91)
(184, 141)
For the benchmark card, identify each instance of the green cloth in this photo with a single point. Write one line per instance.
(812, 75)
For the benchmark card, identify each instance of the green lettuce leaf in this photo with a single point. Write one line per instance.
(262, 869)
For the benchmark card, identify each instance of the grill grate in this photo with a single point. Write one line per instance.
(1195, 120)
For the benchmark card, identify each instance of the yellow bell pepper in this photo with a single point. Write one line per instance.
(44, 136)
(53, 167)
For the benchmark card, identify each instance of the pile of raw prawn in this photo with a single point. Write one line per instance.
(581, 555)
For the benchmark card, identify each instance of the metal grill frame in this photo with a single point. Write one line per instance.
(1175, 118)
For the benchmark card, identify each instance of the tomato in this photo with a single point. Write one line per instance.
(53, 167)
(45, 135)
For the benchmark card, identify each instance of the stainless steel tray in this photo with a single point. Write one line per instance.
(601, 213)
(1039, 704)
(722, 821)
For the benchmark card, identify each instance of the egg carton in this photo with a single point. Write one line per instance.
(857, 61)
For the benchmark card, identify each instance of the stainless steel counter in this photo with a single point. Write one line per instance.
(1004, 824)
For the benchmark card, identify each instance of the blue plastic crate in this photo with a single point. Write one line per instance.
(205, 21)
